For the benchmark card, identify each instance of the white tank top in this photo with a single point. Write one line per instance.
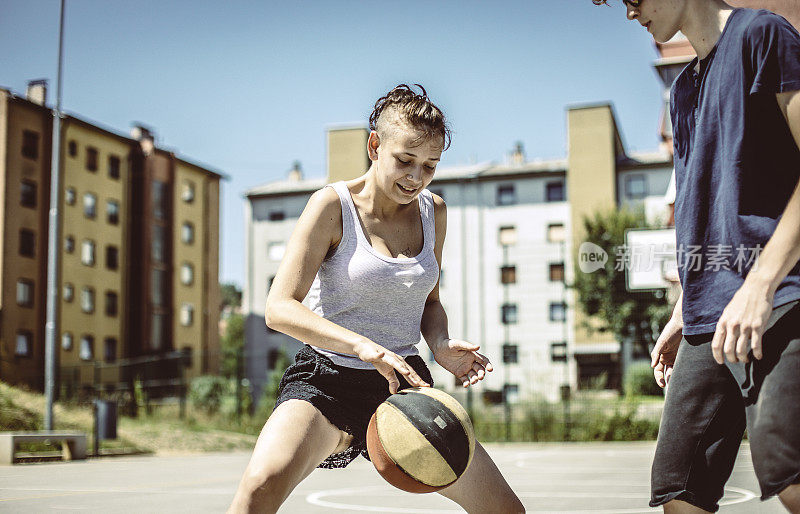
(376, 296)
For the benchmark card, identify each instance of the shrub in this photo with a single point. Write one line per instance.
(207, 393)
(639, 381)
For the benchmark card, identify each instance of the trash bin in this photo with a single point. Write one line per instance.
(106, 419)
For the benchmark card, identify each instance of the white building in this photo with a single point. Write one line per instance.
(506, 257)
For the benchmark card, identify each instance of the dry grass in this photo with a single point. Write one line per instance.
(162, 432)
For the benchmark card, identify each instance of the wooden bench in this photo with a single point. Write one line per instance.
(73, 443)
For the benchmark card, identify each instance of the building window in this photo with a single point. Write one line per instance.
(157, 285)
(27, 243)
(90, 205)
(506, 195)
(87, 252)
(112, 257)
(87, 300)
(508, 275)
(187, 232)
(69, 292)
(276, 250)
(511, 393)
(557, 272)
(66, 341)
(187, 274)
(159, 200)
(509, 313)
(69, 196)
(28, 194)
(187, 191)
(157, 248)
(69, 244)
(86, 352)
(24, 346)
(30, 144)
(555, 192)
(91, 158)
(113, 167)
(507, 236)
(109, 349)
(72, 148)
(635, 186)
(25, 292)
(558, 352)
(157, 331)
(112, 212)
(277, 216)
(510, 354)
(558, 311)
(187, 315)
(556, 233)
(111, 303)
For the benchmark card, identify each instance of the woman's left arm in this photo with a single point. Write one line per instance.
(743, 322)
(461, 358)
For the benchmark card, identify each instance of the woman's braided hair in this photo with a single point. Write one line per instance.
(413, 108)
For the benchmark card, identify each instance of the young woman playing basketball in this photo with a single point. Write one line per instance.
(367, 253)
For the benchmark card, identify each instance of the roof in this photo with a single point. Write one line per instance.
(485, 170)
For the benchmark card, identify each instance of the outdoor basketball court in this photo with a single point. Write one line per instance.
(575, 478)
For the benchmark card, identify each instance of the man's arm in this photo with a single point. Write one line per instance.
(743, 321)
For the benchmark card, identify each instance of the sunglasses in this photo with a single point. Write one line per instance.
(632, 3)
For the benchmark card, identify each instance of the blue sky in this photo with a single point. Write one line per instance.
(249, 87)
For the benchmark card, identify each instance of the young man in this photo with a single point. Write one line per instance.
(731, 351)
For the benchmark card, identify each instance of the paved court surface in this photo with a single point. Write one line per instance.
(576, 478)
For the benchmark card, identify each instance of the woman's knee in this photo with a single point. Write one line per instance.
(268, 481)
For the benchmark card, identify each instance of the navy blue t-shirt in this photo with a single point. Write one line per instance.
(736, 162)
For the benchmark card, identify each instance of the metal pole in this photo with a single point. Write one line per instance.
(53, 238)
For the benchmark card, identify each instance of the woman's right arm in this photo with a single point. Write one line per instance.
(318, 229)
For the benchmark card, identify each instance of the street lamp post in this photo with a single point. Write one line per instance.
(51, 328)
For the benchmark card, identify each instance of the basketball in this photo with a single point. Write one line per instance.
(420, 440)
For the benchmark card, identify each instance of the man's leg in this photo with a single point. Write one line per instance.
(681, 507)
(790, 497)
(482, 488)
(700, 433)
(771, 389)
(295, 439)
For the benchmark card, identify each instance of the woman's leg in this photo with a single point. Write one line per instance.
(294, 440)
(482, 488)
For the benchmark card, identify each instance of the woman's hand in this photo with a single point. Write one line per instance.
(462, 359)
(387, 363)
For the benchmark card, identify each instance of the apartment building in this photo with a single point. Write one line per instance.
(508, 255)
(138, 251)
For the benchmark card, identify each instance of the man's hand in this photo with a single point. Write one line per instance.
(462, 360)
(743, 323)
(662, 358)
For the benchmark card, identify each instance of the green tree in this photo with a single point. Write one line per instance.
(231, 345)
(231, 296)
(631, 316)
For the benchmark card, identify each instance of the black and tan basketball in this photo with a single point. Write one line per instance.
(420, 440)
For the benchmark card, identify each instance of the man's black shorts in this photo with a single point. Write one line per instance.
(708, 407)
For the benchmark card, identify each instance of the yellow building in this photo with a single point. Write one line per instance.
(139, 254)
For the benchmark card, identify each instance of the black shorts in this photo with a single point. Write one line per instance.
(347, 397)
(708, 407)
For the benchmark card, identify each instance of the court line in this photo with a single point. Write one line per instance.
(317, 498)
